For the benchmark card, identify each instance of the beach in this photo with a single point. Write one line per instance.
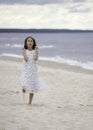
(66, 103)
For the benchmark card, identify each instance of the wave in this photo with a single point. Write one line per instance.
(13, 45)
(86, 65)
(11, 55)
(58, 59)
(21, 46)
(46, 46)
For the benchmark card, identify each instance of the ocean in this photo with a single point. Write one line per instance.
(73, 48)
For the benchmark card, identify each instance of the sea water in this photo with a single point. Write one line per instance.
(71, 48)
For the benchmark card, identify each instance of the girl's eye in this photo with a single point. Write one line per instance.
(30, 41)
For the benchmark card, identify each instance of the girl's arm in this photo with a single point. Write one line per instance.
(24, 54)
(36, 53)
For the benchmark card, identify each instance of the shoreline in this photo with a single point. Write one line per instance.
(52, 64)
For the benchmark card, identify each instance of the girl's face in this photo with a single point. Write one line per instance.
(30, 43)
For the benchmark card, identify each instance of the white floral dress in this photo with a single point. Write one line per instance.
(29, 77)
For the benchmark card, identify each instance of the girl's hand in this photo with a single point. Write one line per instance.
(36, 48)
(36, 53)
(25, 56)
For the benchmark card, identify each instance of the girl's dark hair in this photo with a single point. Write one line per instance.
(25, 43)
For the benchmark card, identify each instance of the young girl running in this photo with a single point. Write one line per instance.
(29, 78)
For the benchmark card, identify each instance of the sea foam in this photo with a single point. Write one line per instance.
(58, 59)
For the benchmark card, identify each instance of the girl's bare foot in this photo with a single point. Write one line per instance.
(29, 104)
(23, 90)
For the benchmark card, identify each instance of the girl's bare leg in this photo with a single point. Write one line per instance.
(30, 97)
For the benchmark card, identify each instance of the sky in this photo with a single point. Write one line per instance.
(51, 14)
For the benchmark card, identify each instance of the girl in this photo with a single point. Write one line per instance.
(29, 78)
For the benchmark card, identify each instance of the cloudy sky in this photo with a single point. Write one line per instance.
(62, 14)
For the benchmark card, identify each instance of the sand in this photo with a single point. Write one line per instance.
(66, 103)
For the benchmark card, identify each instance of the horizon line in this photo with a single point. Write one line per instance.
(41, 30)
